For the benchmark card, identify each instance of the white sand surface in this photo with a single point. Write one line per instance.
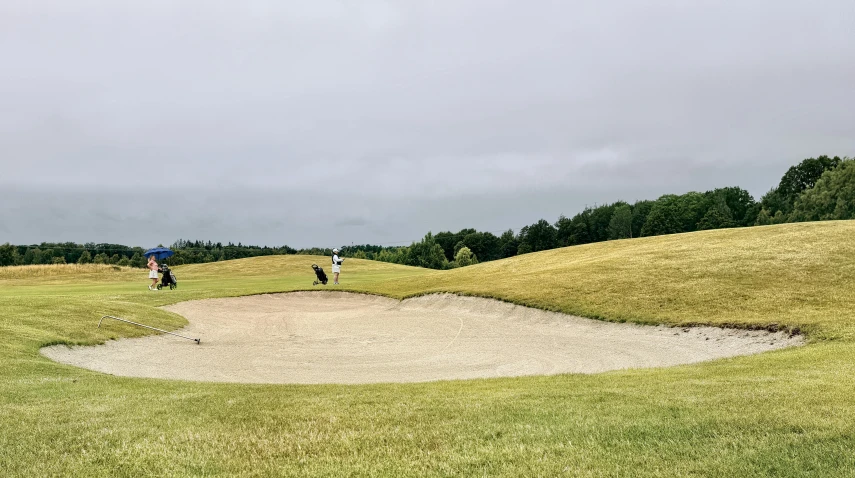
(329, 337)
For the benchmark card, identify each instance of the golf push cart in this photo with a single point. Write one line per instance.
(168, 278)
(321, 275)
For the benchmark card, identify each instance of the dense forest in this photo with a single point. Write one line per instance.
(821, 188)
(816, 189)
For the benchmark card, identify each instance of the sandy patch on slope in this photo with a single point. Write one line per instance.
(316, 337)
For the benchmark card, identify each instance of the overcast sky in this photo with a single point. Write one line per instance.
(330, 122)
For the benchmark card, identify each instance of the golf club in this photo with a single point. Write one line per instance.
(198, 341)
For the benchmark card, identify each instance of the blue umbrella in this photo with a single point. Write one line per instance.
(159, 253)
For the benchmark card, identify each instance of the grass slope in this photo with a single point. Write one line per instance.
(786, 413)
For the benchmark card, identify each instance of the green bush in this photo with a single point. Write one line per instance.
(465, 257)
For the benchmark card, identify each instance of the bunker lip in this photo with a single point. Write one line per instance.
(345, 338)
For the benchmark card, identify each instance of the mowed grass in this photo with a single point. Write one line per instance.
(785, 413)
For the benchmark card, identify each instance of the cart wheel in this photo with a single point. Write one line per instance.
(171, 286)
(159, 286)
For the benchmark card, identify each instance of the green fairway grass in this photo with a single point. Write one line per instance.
(783, 413)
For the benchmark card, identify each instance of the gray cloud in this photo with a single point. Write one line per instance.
(351, 222)
(326, 122)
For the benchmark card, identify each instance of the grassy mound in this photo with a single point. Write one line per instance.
(62, 272)
(795, 276)
(783, 413)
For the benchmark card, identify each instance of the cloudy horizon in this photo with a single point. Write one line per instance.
(328, 123)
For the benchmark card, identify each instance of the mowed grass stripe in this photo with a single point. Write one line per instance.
(785, 413)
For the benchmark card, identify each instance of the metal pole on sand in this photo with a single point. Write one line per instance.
(198, 341)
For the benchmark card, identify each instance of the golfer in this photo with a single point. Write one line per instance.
(336, 265)
(152, 272)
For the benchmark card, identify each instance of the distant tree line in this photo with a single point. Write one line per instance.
(816, 189)
(197, 252)
(71, 253)
(186, 252)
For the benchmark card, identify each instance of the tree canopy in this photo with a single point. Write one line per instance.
(832, 197)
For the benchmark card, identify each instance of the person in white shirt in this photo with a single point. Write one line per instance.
(336, 265)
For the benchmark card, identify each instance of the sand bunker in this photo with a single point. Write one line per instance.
(316, 337)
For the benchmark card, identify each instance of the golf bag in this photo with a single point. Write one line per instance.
(322, 276)
(168, 278)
